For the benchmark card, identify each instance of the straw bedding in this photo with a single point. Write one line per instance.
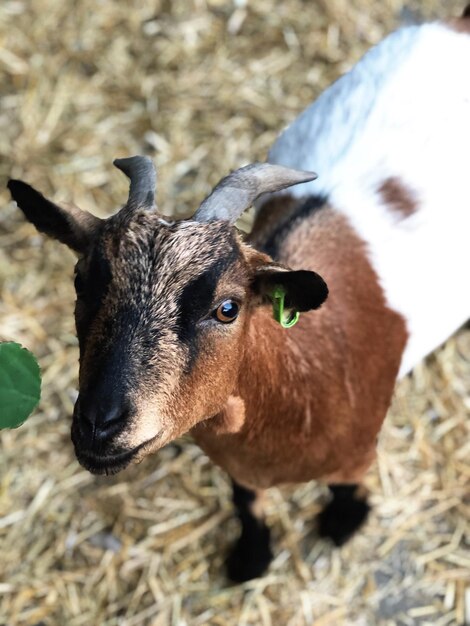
(203, 86)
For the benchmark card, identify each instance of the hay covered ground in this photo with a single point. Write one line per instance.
(203, 86)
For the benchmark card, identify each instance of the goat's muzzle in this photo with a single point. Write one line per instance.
(97, 424)
(96, 435)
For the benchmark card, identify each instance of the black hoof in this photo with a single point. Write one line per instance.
(250, 557)
(341, 518)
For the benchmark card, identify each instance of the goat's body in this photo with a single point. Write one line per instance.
(387, 226)
(400, 118)
(173, 321)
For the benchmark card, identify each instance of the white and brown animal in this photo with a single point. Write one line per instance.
(175, 319)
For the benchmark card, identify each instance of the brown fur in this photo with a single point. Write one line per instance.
(315, 395)
(398, 197)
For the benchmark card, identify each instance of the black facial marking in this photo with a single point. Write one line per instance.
(196, 301)
(274, 241)
(91, 286)
(135, 334)
(99, 273)
(111, 358)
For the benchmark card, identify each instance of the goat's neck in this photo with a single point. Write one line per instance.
(274, 382)
(276, 373)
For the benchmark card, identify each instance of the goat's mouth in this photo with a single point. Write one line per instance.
(109, 464)
(113, 462)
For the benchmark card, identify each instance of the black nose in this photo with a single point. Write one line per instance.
(100, 418)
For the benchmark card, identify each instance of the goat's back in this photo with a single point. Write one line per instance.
(391, 144)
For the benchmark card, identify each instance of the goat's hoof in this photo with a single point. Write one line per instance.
(341, 518)
(249, 559)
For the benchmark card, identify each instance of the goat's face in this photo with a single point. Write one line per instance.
(161, 313)
(159, 336)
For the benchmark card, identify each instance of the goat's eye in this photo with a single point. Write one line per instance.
(227, 311)
(78, 283)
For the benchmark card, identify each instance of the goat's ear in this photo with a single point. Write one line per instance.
(70, 225)
(305, 290)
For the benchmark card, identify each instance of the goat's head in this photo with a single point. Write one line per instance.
(162, 308)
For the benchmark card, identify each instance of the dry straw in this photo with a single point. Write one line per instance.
(203, 86)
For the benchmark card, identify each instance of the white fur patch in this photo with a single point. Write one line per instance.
(404, 112)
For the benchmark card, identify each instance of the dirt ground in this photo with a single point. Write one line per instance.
(203, 86)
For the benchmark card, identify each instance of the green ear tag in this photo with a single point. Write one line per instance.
(286, 317)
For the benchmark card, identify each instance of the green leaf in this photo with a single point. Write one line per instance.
(20, 384)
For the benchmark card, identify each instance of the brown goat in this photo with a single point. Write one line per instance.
(175, 319)
(177, 334)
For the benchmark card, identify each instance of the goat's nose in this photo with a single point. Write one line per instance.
(101, 419)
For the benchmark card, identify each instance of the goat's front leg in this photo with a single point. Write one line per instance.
(251, 554)
(344, 514)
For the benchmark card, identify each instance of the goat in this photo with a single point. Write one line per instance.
(175, 318)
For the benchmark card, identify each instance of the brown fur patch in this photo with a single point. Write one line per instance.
(397, 196)
(315, 395)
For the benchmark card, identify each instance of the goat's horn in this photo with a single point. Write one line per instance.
(237, 191)
(141, 172)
